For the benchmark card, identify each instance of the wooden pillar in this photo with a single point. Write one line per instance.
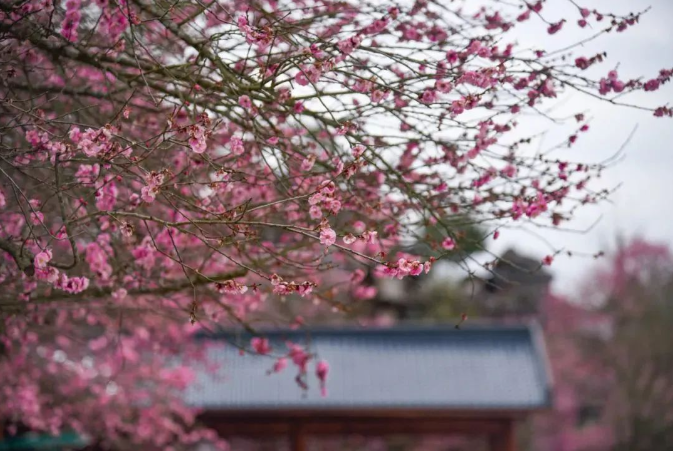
(297, 438)
(504, 440)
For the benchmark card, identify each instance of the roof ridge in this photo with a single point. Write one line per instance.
(404, 329)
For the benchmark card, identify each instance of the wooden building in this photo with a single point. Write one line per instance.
(473, 382)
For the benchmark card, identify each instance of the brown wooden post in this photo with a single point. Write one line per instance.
(297, 438)
(505, 440)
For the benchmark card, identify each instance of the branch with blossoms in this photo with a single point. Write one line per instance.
(201, 164)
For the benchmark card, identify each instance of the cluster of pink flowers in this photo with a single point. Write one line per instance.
(56, 278)
(611, 83)
(42, 141)
(261, 38)
(283, 288)
(72, 285)
(378, 95)
(308, 74)
(106, 193)
(71, 20)
(368, 236)
(532, 208)
(299, 356)
(324, 200)
(88, 173)
(93, 142)
(231, 287)
(406, 267)
(663, 111)
(307, 163)
(655, 83)
(97, 253)
(114, 21)
(481, 79)
(346, 46)
(149, 192)
(236, 146)
(145, 254)
(197, 138)
(584, 12)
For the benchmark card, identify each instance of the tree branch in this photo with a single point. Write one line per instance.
(23, 260)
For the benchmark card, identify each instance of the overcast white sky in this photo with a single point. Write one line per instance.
(643, 206)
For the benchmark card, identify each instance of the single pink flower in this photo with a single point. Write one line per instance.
(42, 258)
(245, 102)
(308, 162)
(260, 345)
(378, 95)
(429, 96)
(280, 365)
(448, 244)
(443, 86)
(327, 236)
(555, 27)
(315, 212)
(321, 371)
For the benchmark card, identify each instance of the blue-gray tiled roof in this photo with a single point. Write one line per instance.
(471, 368)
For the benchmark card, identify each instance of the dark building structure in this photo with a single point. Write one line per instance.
(475, 382)
(515, 288)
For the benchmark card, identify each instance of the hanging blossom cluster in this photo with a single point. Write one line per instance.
(300, 358)
(170, 169)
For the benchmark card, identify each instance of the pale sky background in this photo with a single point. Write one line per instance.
(643, 206)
